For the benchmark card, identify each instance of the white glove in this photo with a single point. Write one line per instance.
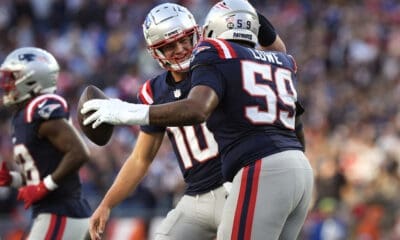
(115, 112)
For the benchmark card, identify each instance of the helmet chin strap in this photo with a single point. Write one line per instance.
(178, 67)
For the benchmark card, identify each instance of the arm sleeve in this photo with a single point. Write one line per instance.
(266, 33)
(208, 75)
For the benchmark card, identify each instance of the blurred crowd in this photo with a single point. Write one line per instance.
(348, 57)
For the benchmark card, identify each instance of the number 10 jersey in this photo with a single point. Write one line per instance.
(194, 146)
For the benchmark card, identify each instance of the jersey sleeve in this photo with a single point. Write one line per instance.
(146, 96)
(203, 70)
(210, 52)
(47, 107)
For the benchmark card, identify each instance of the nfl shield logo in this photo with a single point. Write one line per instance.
(177, 93)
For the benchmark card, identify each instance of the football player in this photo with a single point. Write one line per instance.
(171, 32)
(249, 100)
(47, 149)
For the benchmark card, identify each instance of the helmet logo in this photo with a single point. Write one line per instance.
(221, 5)
(29, 57)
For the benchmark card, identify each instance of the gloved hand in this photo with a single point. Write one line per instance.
(33, 193)
(9, 178)
(266, 32)
(115, 112)
(5, 176)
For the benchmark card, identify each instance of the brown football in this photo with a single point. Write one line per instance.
(102, 134)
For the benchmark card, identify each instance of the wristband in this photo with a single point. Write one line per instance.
(49, 183)
(136, 114)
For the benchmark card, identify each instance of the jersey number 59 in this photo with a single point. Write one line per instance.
(283, 92)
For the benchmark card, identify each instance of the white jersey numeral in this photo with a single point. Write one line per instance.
(188, 145)
(284, 92)
(27, 164)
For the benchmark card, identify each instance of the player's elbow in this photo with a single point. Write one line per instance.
(201, 112)
(199, 117)
(81, 155)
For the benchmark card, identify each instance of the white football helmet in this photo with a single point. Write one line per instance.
(166, 23)
(232, 20)
(27, 72)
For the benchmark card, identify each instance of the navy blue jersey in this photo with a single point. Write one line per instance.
(257, 101)
(194, 146)
(37, 157)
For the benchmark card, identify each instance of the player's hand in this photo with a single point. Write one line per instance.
(5, 176)
(32, 193)
(115, 112)
(97, 222)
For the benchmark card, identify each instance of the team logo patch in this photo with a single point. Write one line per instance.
(230, 22)
(177, 93)
(200, 49)
(45, 112)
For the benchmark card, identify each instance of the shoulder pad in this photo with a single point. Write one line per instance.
(211, 50)
(45, 107)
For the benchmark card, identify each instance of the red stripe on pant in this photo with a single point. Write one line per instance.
(253, 199)
(52, 224)
(251, 204)
(239, 204)
(61, 230)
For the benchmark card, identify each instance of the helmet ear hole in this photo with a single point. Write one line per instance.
(210, 33)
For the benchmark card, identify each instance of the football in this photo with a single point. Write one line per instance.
(102, 134)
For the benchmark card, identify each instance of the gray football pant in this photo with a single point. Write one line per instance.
(51, 226)
(269, 199)
(194, 217)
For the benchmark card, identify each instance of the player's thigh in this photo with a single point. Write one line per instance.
(76, 228)
(297, 217)
(183, 223)
(258, 207)
(261, 199)
(228, 212)
(51, 226)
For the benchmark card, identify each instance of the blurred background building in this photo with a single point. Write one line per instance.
(348, 54)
